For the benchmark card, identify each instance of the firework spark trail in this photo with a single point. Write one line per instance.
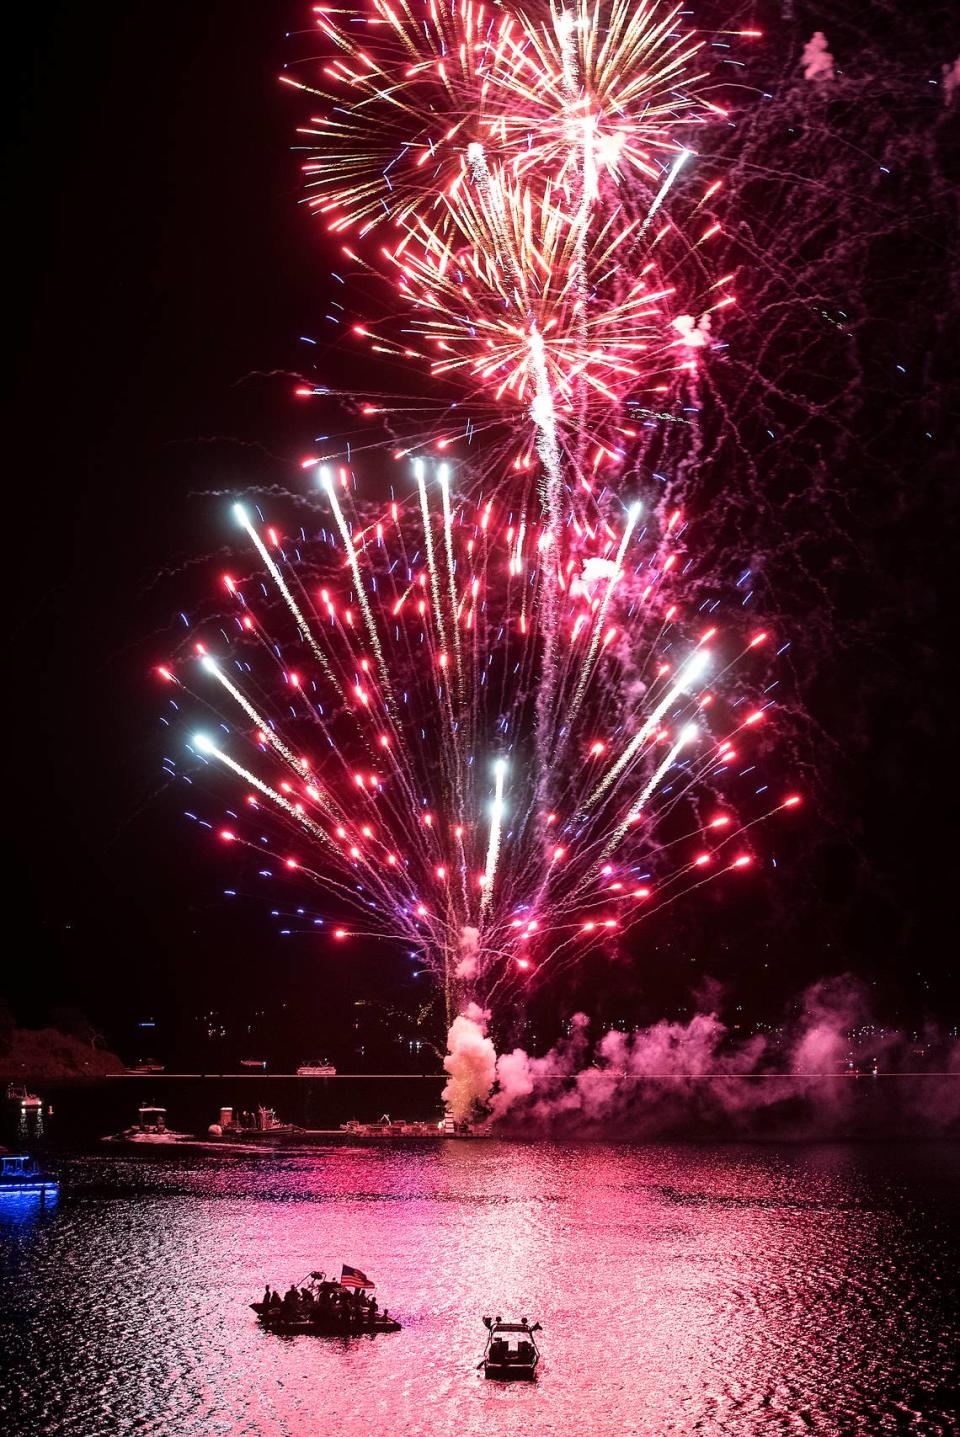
(692, 670)
(665, 188)
(543, 414)
(206, 746)
(493, 845)
(451, 748)
(587, 186)
(326, 479)
(431, 559)
(687, 736)
(542, 409)
(212, 667)
(443, 476)
(243, 518)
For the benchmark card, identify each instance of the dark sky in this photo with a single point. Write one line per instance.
(163, 271)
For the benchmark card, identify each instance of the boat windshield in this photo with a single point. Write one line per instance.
(512, 1342)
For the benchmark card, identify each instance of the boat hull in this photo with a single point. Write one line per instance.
(157, 1139)
(319, 1327)
(509, 1372)
(253, 1135)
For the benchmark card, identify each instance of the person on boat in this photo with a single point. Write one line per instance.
(267, 1295)
(291, 1301)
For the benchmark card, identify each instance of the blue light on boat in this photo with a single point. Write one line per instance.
(19, 1174)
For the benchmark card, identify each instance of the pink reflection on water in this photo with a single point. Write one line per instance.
(736, 1289)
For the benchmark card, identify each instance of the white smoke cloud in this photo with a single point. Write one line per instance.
(469, 952)
(595, 571)
(694, 334)
(471, 1062)
(816, 59)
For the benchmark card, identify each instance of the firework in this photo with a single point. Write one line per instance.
(374, 696)
(557, 90)
(480, 717)
(518, 166)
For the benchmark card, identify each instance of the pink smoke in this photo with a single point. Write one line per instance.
(816, 59)
(687, 1077)
(469, 952)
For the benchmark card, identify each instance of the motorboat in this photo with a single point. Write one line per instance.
(19, 1174)
(316, 1070)
(21, 1097)
(150, 1127)
(326, 1307)
(511, 1354)
(259, 1063)
(262, 1122)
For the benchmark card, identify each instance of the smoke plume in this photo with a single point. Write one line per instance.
(675, 1078)
(469, 952)
(816, 59)
(471, 1062)
(694, 334)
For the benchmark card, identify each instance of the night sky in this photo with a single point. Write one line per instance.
(163, 272)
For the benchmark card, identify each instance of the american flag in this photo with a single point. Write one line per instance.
(353, 1277)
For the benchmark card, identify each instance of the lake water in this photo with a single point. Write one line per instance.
(687, 1288)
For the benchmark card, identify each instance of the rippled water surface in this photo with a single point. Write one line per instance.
(689, 1289)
